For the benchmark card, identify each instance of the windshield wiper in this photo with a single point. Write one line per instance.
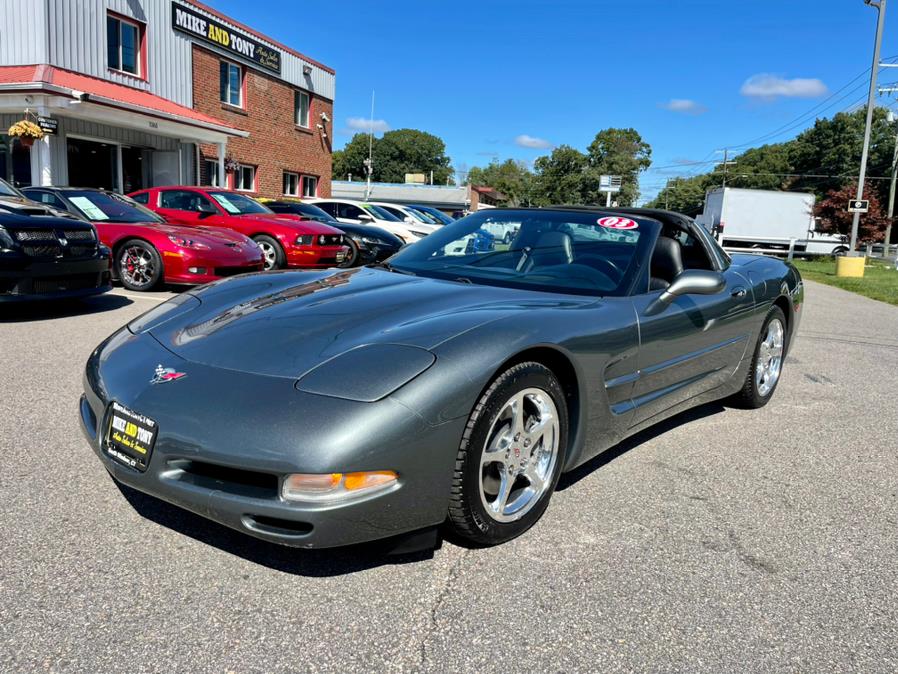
(386, 265)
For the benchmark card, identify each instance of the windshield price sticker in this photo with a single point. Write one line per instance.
(617, 223)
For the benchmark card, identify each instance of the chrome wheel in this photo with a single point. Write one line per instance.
(269, 254)
(770, 358)
(519, 458)
(137, 266)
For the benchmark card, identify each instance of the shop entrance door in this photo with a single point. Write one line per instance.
(133, 171)
(92, 164)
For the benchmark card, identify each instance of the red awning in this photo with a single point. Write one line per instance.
(57, 80)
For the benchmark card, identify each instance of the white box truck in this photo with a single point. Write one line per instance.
(766, 221)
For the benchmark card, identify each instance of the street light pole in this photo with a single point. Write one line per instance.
(880, 5)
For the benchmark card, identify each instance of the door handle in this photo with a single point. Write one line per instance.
(739, 292)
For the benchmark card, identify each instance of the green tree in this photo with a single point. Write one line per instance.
(561, 177)
(619, 152)
(395, 154)
(511, 178)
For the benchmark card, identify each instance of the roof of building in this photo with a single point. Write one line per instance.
(410, 193)
(488, 191)
(104, 92)
(259, 35)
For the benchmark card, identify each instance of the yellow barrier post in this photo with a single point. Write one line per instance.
(851, 267)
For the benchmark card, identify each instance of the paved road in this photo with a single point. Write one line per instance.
(722, 541)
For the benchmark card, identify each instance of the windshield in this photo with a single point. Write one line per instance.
(380, 213)
(422, 217)
(582, 253)
(313, 212)
(237, 204)
(436, 214)
(7, 190)
(109, 207)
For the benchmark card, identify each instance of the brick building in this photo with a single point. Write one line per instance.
(138, 93)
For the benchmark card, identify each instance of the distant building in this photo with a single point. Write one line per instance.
(449, 198)
(142, 93)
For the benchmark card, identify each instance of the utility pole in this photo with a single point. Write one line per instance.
(369, 162)
(726, 164)
(880, 5)
(885, 250)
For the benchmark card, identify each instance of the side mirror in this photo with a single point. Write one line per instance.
(204, 208)
(364, 217)
(694, 282)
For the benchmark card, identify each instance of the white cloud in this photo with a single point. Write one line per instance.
(529, 141)
(366, 125)
(768, 87)
(684, 106)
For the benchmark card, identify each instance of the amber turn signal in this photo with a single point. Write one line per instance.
(334, 486)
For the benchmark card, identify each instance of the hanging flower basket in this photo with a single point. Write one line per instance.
(231, 164)
(26, 131)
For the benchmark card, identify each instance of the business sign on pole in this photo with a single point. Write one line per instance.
(610, 183)
(233, 41)
(858, 205)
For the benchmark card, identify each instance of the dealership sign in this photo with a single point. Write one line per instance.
(234, 41)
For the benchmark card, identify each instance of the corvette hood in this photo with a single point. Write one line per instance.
(285, 324)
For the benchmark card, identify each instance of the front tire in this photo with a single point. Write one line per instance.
(352, 257)
(510, 457)
(138, 265)
(272, 252)
(767, 363)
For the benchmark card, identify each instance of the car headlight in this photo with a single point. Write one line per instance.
(184, 242)
(330, 487)
(367, 239)
(305, 239)
(6, 241)
(418, 234)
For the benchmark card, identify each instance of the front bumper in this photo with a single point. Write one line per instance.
(315, 257)
(24, 279)
(229, 467)
(207, 267)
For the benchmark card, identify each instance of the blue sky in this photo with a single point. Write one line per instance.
(509, 79)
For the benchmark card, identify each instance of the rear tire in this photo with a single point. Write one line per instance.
(138, 265)
(273, 254)
(841, 251)
(510, 457)
(766, 368)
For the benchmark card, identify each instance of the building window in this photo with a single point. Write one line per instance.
(211, 172)
(231, 84)
(301, 108)
(123, 45)
(245, 178)
(309, 186)
(291, 184)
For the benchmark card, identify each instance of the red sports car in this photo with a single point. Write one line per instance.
(286, 240)
(145, 249)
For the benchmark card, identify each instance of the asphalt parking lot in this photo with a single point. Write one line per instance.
(723, 540)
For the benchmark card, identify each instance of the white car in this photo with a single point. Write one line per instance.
(414, 219)
(362, 213)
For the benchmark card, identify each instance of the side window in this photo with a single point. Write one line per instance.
(181, 200)
(694, 254)
(142, 198)
(47, 198)
(348, 211)
(330, 209)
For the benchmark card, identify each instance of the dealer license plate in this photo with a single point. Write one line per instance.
(130, 437)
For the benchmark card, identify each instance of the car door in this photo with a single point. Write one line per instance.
(182, 207)
(351, 213)
(692, 344)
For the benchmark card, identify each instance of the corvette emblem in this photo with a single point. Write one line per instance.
(166, 374)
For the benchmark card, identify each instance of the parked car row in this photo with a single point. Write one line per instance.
(190, 235)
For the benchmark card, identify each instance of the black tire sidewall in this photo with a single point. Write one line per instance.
(481, 528)
(750, 391)
(354, 255)
(280, 258)
(157, 277)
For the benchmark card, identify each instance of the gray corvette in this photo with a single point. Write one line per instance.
(450, 386)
